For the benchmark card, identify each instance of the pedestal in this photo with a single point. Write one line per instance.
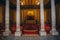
(54, 32)
(42, 33)
(6, 33)
(18, 33)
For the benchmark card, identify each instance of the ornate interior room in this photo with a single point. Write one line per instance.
(29, 16)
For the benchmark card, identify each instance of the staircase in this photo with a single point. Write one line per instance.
(30, 30)
(30, 33)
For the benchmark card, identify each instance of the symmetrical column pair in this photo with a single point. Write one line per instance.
(7, 31)
(42, 31)
(53, 31)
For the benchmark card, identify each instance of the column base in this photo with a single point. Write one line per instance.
(43, 33)
(53, 32)
(18, 33)
(6, 33)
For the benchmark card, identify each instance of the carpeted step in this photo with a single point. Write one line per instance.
(30, 32)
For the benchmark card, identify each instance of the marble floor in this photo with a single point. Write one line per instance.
(30, 38)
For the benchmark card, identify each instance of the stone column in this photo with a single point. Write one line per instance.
(7, 31)
(42, 31)
(18, 32)
(53, 31)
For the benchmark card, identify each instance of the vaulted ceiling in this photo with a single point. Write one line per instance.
(13, 2)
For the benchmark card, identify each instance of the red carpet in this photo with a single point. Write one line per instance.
(30, 29)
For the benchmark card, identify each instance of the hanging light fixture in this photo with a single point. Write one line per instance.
(37, 2)
(22, 2)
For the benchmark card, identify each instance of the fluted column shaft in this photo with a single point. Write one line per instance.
(7, 31)
(42, 31)
(53, 16)
(18, 32)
